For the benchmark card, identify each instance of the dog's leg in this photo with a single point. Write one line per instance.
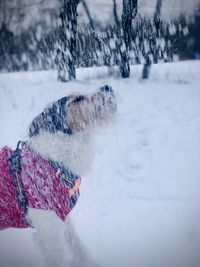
(81, 257)
(51, 238)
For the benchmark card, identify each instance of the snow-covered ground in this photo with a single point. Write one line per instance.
(140, 203)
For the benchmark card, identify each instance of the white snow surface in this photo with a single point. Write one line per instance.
(140, 203)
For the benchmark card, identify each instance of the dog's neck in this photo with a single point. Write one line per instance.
(73, 151)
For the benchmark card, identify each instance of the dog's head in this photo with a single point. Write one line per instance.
(76, 112)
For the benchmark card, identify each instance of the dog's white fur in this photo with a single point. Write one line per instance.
(66, 149)
(58, 239)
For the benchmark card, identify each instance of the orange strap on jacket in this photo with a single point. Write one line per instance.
(75, 187)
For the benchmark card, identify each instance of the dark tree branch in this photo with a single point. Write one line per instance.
(117, 21)
(158, 8)
(128, 14)
(157, 15)
(88, 14)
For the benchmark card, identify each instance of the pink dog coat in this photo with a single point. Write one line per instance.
(46, 185)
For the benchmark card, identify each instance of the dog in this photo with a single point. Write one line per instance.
(42, 176)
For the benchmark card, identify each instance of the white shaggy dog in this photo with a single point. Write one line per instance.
(62, 133)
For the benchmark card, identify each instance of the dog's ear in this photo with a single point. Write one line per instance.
(52, 119)
(36, 125)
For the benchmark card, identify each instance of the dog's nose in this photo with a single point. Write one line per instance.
(106, 89)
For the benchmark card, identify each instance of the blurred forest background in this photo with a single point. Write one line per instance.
(67, 34)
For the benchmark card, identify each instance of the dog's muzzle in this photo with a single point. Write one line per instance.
(109, 98)
(105, 102)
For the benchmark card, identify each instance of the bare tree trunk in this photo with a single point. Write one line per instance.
(157, 15)
(147, 65)
(66, 54)
(128, 14)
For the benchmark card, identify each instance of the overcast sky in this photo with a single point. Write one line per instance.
(102, 9)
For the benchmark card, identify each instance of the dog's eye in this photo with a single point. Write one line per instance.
(79, 99)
